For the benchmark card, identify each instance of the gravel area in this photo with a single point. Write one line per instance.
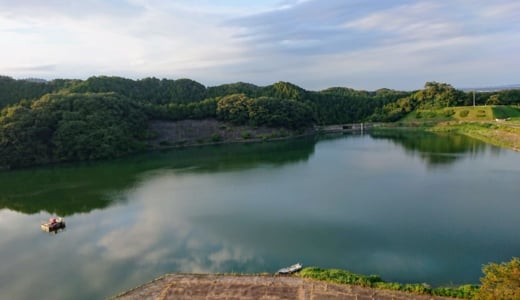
(242, 287)
(199, 132)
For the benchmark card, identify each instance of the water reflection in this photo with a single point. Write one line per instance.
(435, 149)
(350, 202)
(66, 190)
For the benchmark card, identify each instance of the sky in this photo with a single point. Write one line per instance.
(363, 44)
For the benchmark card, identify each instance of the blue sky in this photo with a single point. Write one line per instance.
(364, 44)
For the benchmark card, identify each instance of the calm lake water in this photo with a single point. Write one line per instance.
(409, 207)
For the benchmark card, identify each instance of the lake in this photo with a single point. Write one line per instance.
(409, 207)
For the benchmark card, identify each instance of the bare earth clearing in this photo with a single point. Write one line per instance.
(213, 287)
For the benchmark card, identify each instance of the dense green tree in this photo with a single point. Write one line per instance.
(434, 95)
(509, 97)
(223, 90)
(437, 95)
(279, 113)
(185, 91)
(234, 108)
(284, 90)
(146, 90)
(343, 105)
(70, 127)
(264, 111)
(493, 100)
(12, 91)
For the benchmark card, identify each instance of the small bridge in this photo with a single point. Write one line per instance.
(350, 127)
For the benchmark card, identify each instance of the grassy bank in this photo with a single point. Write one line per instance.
(374, 281)
(493, 133)
(497, 125)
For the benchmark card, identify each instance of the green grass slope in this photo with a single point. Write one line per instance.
(506, 112)
(460, 113)
(463, 113)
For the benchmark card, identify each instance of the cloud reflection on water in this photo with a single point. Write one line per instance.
(338, 208)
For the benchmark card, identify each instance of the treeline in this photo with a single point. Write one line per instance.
(330, 106)
(185, 98)
(101, 117)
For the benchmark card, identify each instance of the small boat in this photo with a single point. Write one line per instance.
(53, 225)
(289, 270)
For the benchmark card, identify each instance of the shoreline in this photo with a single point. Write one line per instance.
(494, 133)
(497, 134)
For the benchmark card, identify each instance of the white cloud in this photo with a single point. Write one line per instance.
(160, 40)
(312, 43)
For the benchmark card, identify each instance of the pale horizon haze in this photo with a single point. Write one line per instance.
(314, 44)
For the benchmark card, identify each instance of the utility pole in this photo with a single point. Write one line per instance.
(473, 98)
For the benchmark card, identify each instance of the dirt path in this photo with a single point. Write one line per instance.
(213, 287)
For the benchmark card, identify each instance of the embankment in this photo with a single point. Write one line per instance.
(194, 286)
(507, 136)
(169, 134)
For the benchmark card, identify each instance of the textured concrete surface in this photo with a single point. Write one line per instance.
(216, 287)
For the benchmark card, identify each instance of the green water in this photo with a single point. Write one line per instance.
(409, 207)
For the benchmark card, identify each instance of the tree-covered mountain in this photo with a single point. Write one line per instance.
(67, 120)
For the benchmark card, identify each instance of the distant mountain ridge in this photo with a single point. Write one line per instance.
(493, 88)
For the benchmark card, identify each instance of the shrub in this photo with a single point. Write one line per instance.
(449, 112)
(216, 137)
(481, 113)
(346, 277)
(246, 135)
(464, 113)
(500, 281)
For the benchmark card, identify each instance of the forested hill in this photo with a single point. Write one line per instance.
(102, 117)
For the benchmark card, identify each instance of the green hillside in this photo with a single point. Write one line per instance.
(463, 113)
(458, 113)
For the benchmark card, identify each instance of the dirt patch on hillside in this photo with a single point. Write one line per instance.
(213, 287)
(199, 132)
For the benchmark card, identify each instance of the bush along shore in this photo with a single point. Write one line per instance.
(500, 281)
(467, 291)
